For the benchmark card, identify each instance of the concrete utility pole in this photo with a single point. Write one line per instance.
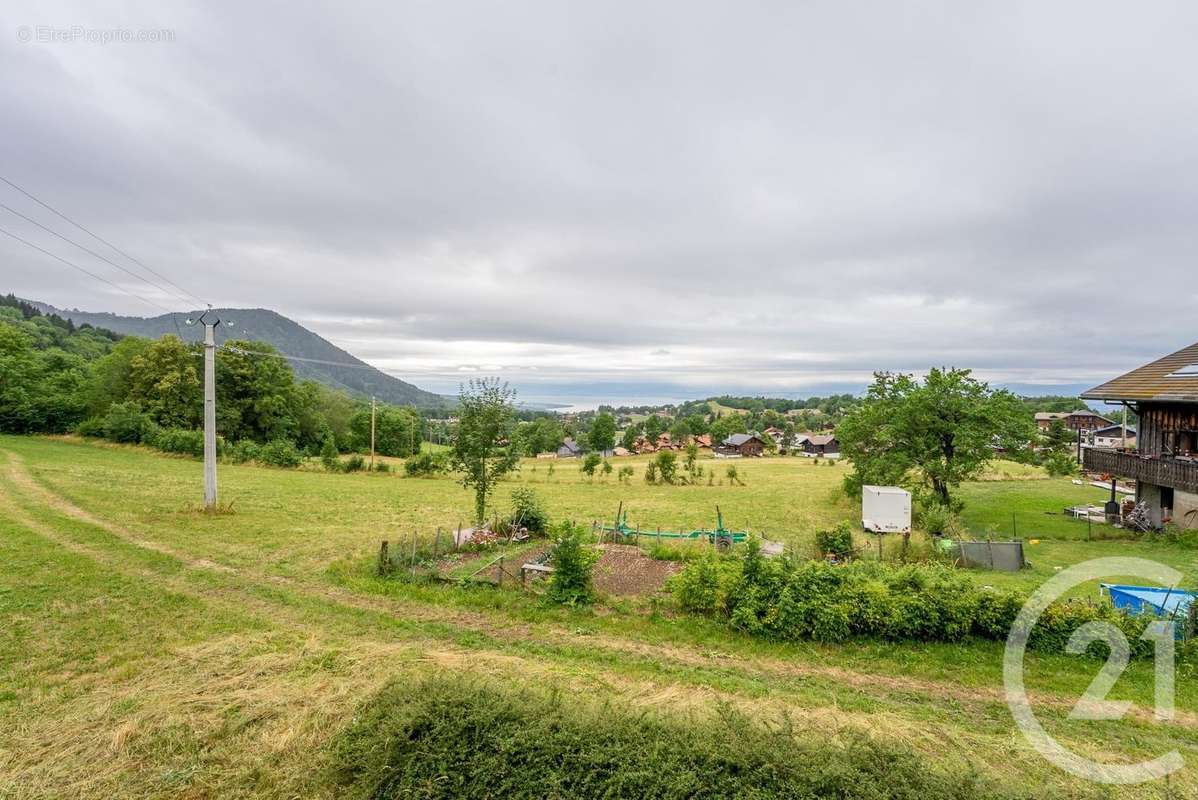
(372, 433)
(209, 407)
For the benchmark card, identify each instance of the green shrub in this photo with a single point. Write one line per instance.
(355, 463)
(382, 466)
(590, 464)
(667, 465)
(329, 457)
(279, 453)
(126, 422)
(527, 511)
(243, 451)
(180, 440)
(426, 465)
(918, 602)
(572, 561)
(451, 737)
(836, 542)
(92, 426)
(651, 472)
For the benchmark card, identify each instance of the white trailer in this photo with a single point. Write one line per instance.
(885, 509)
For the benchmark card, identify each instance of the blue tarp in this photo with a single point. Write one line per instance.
(1161, 602)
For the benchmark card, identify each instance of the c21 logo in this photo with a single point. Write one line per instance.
(1093, 705)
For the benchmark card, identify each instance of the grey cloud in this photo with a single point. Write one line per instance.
(775, 194)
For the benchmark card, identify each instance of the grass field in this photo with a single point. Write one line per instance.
(153, 650)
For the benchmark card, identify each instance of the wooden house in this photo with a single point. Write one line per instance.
(822, 444)
(1164, 464)
(569, 449)
(742, 444)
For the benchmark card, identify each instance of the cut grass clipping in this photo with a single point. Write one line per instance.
(449, 737)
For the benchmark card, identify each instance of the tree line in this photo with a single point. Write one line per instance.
(56, 377)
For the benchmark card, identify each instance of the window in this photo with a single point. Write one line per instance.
(1185, 372)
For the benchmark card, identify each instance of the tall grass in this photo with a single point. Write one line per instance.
(452, 738)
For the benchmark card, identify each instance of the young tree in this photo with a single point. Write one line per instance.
(603, 433)
(939, 432)
(590, 464)
(481, 449)
(630, 435)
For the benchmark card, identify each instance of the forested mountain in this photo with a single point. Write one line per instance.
(286, 335)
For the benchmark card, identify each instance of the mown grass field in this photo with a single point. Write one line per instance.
(153, 650)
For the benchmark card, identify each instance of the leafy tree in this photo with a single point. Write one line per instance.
(481, 449)
(940, 432)
(111, 378)
(667, 465)
(542, 435)
(727, 425)
(630, 435)
(254, 389)
(572, 562)
(606, 468)
(329, 456)
(396, 430)
(590, 464)
(654, 427)
(602, 436)
(164, 378)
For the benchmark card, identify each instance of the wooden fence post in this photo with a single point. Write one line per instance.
(383, 558)
(501, 570)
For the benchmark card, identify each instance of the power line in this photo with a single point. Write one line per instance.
(245, 352)
(73, 265)
(88, 250)
(101, 239)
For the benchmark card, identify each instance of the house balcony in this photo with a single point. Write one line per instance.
(1176, 473)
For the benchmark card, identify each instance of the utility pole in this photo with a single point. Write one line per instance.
(209, 407)
(372, 433)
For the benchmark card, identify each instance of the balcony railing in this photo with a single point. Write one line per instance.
(1161, 470)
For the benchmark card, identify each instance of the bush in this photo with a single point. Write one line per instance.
(781, 599)
(92, 426)
(180, 440)
(527, 511)
(355, 463)
(651, 472)
(279, 453)
(329, 456)
(452, 737)
(572, 561)
(590, 464)
(426, 465)
(243, 451)
(837, 542)
(125, 422)
(667, 465)
(934, 517)
(382, 466)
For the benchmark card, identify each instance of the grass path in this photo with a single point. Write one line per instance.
(140, 667)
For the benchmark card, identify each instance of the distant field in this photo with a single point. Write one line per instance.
(151, 650)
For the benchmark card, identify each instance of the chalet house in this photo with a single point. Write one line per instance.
(1112, 437)
(621, 451)
(822, 444)
(742, 444)
(1164, 464)
(774, 433)
(703, 441)
(1082, 420)
(569, 449)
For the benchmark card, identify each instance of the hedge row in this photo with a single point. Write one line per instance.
(785, 598)
(451, 738)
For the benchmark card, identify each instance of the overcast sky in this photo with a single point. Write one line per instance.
(629, 198)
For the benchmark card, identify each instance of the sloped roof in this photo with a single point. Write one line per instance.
(1156, 381)
(1113, 429)
(737, 439)
(822, 439)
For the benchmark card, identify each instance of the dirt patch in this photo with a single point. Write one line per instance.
(623, 570)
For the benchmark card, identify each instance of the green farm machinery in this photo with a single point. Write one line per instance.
(720, 536)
